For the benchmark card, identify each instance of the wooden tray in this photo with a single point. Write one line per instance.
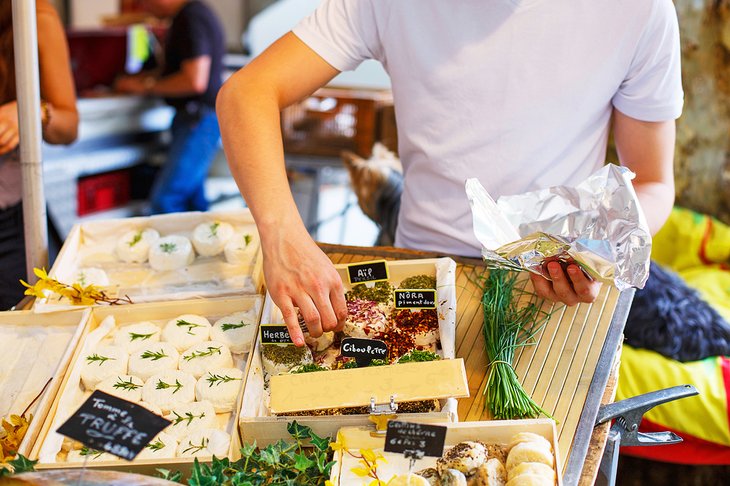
(92, 244)
(70, 395)
(29, 380)
(497, 432)
(257, 422)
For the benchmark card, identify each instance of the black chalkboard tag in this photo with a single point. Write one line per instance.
(275, 334)
(415, 298)
(363, 350)
(110, 424)
(375, 271)
(415, 440)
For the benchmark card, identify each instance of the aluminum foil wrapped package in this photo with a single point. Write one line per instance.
(598, 224)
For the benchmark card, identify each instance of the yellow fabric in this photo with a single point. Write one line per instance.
(713, 284)
(704, 416)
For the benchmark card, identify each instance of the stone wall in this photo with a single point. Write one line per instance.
(702, 164)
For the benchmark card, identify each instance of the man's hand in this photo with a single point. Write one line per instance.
(9, 134)
(571, 289)
(132, 84)
(299, 274)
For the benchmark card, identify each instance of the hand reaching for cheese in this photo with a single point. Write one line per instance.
(570, 286)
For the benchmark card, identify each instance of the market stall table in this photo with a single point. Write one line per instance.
(570, 372)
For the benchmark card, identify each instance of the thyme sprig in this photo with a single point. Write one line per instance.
(161, 385)
(156, 445)
(93, 453)
(168, 247)
(133, 336)
(230, 326)
(154, 355)
(188, 417)
(136, 239)
(195, 448)
(126, 385)
(95, 358)
(211, 350)
(214, 379)
(189, 325)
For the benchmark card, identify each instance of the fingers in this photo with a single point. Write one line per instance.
(290, 319)
(543, 287)
(584, 287)
(337, 298)
(311, 315)
(562, 286)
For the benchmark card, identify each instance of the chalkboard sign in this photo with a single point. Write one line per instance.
(415, 440)
(113, 425)
(275, 334)
(368, 272)
(415, 299)
(363, 350)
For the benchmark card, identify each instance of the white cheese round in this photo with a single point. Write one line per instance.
(102, 363)
(152, 359)
(209, 239)
(241, 249)
(190, 418)
(277, 361)
(171, 253)
(169, 389)
(91, 276)
(220, 387)
(205, 443)
(237, 331)
(186, 330)
(126, 387)
(137, 336)
(134, 246)
(163, 446)
(199, 358)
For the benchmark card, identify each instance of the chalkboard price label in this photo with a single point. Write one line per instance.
(415, 440)
(415, 298)
(363, 350)
(275, 334)
(110, 424)
(376, 271)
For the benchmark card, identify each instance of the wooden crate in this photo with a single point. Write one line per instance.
(29, 379)
(91, 244)
(256, 421)
(70, 394)
(333, 120)
(496, 432)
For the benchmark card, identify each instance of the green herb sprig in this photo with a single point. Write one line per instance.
(168, 247)
(156, 445)
(154, 355)
(230, 326)
(93, 453)
(214, 380)
(508, 325)
(195, 448)
(417, 356)
(188, 417)
(136, 239)
(133, 336)
(95, 358)
(211, 350)
(189, 325)
(128, 385)
(161, 385)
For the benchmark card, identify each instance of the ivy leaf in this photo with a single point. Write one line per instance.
(319, 443)
(270, 456)
(22, 464)
(302, 462)
(298, 431)
(248, 450)
(175, 477)
(327, 470)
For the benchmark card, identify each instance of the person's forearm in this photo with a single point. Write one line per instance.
(656, 201)
(62, 127)
(175, 85)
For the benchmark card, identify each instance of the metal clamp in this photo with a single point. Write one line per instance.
(381, 414)
(625, 430)
(385, 408)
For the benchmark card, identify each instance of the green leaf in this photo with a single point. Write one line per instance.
(175, 476)
(298, 431)
(248, 450)
(302, 462)
(319, 443)
(270, 456)
(22, 464)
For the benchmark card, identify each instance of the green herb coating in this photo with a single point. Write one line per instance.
(381, 292)
(417, 356)
(418, 282)
(286, 355)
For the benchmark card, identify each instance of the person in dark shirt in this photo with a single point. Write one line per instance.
(189, 81)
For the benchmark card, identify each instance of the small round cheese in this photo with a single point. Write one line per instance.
(408, 480)
(91, 276)
(186, 330)
(453, 477)
(169, 389)
(209, 239)
(137, 336)
(152, 408)
(81, 455)
(321, 343)
(528, 437)
(220, 387)
(126, 387)
(490, 473)
(237, 331)
(152, 359)
(534, 468)
(465, 457)
(199, 358)
(190, 418)
(205, 443)
(365, 319)
(531, 451)
(134, 246)
(163, 446)
(241, 248)
(279, 359)
(102, 363)
(530, 480)
(171, 253)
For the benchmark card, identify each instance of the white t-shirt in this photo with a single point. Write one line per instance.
(517, 93)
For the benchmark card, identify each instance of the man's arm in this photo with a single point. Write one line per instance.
(297, 272)
(192, 79)
(647, 148)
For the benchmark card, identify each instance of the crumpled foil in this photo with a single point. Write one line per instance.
(598, 224)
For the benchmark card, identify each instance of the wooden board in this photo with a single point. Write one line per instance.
(557, 372)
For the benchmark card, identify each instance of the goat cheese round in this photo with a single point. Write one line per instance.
(199, 358)
(237, 331)
(171, 252)
(134, 246)
(91, 276)
(220, 387)
(169, 389)
(241, 249)
(209, 239)
(207, 442)
(152, 359)
(102, 363)
(186, 330)
(137, 336)
(163, 446)
(126, 387)
(190, 418)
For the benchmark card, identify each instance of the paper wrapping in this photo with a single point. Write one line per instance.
(598, 224)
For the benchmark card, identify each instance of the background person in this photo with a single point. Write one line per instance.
(59, 120)
(521, 94)
(189, 81)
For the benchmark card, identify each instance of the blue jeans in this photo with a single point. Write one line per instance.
(180, 184)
